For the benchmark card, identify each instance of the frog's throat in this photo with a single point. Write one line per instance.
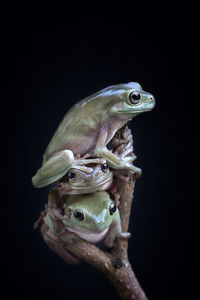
(93, 237)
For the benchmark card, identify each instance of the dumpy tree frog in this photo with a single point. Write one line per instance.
(89, 126)
(78, 181)
(88, 216)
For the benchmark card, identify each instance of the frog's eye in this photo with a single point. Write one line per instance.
(134, 97)
(79, 215)
(112, 208)
(70, 176)
(105, 168)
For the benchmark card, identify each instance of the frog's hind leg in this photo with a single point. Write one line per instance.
(53, 169)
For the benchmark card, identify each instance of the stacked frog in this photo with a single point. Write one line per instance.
(84, 200)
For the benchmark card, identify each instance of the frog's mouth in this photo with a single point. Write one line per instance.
(93, 237)
(136, 111)
(85, 189)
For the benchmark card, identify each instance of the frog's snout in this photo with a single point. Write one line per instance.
(100, 219)
(151, 98)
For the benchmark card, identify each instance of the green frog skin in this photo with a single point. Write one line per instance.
(91, 217)
(78, 181)
(89, 126)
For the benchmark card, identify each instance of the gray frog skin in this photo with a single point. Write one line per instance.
(89, 126)
(78, 181)
(91, 217)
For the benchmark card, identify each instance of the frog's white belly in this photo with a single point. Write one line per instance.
(90, 237)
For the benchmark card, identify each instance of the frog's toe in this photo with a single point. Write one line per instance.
(136, 171)
(125, 235)
(128, 159)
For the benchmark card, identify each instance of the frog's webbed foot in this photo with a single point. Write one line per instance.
(125, 153)
(53, 169)
(85, 160)
(123, 148)
(122, 136)
(118, 163)
(63, 188)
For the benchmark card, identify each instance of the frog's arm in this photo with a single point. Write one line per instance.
(56, 221)
(55, 245)
(115, 231)
(114, 161)
(56, 224)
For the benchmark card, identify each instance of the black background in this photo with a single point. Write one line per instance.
(53, 56)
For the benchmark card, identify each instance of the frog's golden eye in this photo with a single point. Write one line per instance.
(134, 97)
(78, 214)
(105, 168)
(112, 208)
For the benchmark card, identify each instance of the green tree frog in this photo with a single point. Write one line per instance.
(84, 181)
(89, 126)
(91, 217)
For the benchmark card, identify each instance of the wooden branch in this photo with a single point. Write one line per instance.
(114, 263)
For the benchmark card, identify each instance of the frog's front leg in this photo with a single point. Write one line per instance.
(55, 222)
(102, 151)
(114, 161)
(117, 162)
(115, 231)
(53, 169)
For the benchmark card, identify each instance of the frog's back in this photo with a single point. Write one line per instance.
(83, 119)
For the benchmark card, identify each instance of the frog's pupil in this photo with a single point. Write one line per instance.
(78, 215)
(134, 97)
(71, 175)
(105, 167)
(112, 208)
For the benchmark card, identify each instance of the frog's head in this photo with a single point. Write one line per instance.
(91, 213)
(131, 100)
(79, 181)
